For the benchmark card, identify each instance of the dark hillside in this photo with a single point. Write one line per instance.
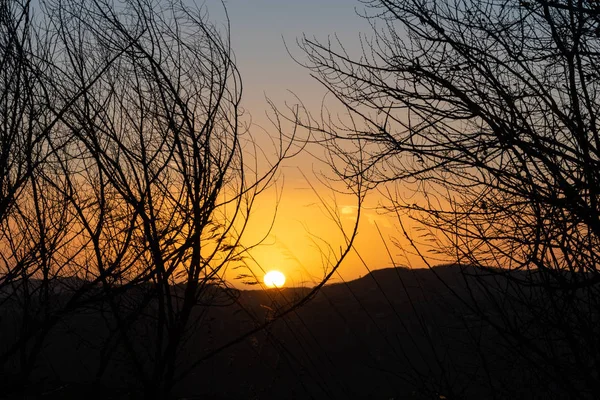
(394, 333)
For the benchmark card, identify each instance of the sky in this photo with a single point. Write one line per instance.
(261, 29)
(303, 239)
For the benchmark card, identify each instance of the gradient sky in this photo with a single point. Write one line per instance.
(259, 29)
(302, 233)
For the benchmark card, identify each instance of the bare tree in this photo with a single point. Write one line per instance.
(35, 226)
(127, 188)
(489, 110)
(161, 126)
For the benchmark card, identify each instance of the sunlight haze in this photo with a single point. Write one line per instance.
(304, 240)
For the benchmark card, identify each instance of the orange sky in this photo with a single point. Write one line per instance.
(304, 239)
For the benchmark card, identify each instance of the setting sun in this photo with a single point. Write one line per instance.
(274, 279)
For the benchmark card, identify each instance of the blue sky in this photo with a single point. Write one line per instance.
(259, 28)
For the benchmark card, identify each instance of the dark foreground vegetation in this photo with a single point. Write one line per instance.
(395, 333)
(127, 180)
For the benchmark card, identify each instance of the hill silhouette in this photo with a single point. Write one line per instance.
(390, 334)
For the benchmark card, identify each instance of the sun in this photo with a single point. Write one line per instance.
(274, 279)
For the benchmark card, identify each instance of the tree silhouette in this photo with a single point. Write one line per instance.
(126, 183)
(488, 110)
